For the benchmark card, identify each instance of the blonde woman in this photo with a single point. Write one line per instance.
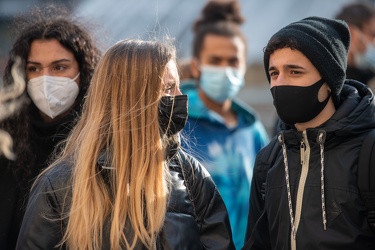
(121, 181)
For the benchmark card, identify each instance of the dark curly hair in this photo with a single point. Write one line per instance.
(44, 22)
(218, 17)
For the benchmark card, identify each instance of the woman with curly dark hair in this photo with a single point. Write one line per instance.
(58, 57)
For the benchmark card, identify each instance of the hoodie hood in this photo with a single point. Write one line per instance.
(356, 113)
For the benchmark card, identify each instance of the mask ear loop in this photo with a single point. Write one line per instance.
(328, 89)
(75, 78)
(328, 96)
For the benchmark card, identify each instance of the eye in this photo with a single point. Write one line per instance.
(168, 88)
(214, 61)
(32, 68)
(295, 72)
(273, 73)
(233, 62)
(59, 67)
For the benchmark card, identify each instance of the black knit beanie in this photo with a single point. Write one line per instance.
(325, 42)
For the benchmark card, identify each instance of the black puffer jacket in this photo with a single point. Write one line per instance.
(196, 216)
(322, 166)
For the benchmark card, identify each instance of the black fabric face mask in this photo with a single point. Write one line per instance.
(173, 113)
(296, 104)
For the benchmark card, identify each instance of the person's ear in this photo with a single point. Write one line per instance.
(194, 68)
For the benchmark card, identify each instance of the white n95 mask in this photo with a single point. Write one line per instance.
(53, 95)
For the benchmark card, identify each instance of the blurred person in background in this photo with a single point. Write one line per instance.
(122, 180)
(360, 18)
(221, 131)
(58, 57)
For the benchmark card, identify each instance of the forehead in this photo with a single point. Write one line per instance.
(171, 67)
(288, 56)
(223, 46)
(47, 51)
(171, 70)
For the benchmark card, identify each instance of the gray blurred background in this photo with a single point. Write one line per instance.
(113, 20)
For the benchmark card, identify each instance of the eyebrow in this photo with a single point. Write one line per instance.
(224, 57)
(289, 66)
(54, 62)
(293, 66)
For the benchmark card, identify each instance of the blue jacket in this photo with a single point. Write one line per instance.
(227, 153)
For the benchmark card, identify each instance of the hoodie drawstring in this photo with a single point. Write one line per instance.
(286, 168)
(320, 140)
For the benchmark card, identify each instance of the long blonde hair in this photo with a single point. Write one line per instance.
(120, 117)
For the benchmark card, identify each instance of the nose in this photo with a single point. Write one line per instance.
(277, 81)
(43, 72)
(178, 91)
(46, 71)
(223, 63)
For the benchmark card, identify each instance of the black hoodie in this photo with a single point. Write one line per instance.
(321, 164)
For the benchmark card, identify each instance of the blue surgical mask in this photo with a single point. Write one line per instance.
(221, 83)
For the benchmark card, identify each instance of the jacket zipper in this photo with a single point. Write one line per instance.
(305, 159)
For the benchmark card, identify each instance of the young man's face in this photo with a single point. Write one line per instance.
(221, 51)
(291, 67)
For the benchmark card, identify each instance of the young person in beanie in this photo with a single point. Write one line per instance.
(304, 192)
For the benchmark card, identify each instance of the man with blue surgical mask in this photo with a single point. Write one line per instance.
(222, 132)
(360, 18)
